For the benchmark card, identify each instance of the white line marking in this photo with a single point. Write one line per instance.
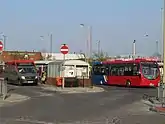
(64, 50)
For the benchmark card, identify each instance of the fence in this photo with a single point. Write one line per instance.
(3, 88)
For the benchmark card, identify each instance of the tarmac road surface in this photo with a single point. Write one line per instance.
(119, 104)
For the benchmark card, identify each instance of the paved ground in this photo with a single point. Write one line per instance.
(72, 90)
(12, 98)
(95, 108)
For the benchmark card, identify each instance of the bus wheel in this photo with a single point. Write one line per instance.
(128, 83)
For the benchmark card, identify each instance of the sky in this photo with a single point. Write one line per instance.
(116, 23)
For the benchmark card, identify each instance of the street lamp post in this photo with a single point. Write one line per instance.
(4, 41)
(51, 43)
(90, 41)
(134, 48)
(157, 51)
(88, 47)
(164, 52)
(98, 47)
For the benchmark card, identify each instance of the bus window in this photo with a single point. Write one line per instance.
(132, 69)
(100, 70)
(121, 71)
(124, 70)
(135, 69)
(113, 70)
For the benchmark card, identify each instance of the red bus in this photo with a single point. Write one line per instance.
(135, 72)
(21, 72)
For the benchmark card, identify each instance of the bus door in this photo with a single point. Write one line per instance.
(113, 77)
(105, 72)
(132, 74)
(99, 75)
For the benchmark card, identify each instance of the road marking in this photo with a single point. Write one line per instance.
(33, 121)
(41, 94)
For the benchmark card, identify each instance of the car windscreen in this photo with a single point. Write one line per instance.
(26, 69)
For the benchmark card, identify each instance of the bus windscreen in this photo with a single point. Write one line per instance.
(150, 70)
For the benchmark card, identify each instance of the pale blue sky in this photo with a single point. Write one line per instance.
(116, 23)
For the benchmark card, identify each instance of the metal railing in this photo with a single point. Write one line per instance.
(161, 90)
(3, 88)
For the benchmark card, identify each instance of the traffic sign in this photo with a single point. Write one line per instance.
(64, 49)
(1, 46)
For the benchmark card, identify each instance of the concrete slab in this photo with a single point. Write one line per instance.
(71, 90)
(13, 98)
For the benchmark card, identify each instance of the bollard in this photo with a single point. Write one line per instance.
(158, 90)
(3, 88)
(163, 92)
(83, 80)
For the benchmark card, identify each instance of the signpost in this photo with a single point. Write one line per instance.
(1, 46)
(1, 49)
(64, 50)
(164, 54)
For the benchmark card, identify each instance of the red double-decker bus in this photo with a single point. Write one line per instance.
(133, 72)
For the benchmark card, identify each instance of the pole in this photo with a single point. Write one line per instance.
(87, 49)
(88, 44)
(134, 48)
(51, 37)
(63, 78)
(90, 41)
(4, 42)
(162, 35)
(157, 51)
(98, 48)
(164, 51)
(159, 91)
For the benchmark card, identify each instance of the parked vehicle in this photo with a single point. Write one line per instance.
(21, 72)
(133, 72)
(99, 73)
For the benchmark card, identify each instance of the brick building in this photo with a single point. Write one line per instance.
(20, 55)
